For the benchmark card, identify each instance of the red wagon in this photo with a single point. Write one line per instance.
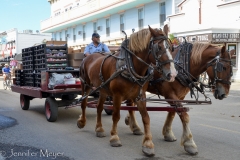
(67, 93)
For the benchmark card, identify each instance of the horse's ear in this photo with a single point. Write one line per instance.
(232, 52)
(223, 50)
(165, 29)
(153, 32)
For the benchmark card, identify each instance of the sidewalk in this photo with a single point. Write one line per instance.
(235, 86)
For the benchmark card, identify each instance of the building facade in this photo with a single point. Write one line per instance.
(215, 21)
(13, 41)
(76, 20)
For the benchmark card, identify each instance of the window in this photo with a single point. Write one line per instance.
(107, 28)
(53, 37)
(94, 27)
(121, 23)
(162, 16)
(74, 35)
(60, 35)
(66, 35)
(140, 18)
(84, 34)
(234, 57)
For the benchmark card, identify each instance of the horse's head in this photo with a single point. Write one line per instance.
(220, 73)
(161, 49)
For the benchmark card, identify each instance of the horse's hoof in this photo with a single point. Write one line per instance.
(100, 134)
(191, 150)
(127, 120)
(116, 143)
(148, 151)
(137, 132)
(80, 125)
(170, 139)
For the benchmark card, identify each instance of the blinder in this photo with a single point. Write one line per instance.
(219, 67)
(154, 48)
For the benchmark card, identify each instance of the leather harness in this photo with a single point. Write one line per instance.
(125, 68)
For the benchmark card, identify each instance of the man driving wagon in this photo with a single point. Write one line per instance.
(96, 46)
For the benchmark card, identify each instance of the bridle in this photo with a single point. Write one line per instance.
(218, 66)
(154, 49)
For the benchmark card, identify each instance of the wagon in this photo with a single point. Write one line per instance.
(65, 92)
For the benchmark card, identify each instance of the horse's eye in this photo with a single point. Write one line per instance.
(159, 47)
(224, 68)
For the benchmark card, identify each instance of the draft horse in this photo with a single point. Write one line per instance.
(204, 57)
(125, 76)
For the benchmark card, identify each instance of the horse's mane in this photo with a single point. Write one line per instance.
(198, 48)
(139, 40)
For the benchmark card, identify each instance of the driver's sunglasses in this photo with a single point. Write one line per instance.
(97, 37)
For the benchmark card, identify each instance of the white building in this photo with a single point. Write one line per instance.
(76, 20)
(206, 20)
(216, 21)
(15, 41)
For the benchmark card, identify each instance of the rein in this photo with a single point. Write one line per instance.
(154, 48)
(128, 66)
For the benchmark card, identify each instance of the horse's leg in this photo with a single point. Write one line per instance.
(147, 145)
(187, 138)
(130, 120)
(99, 130)
(115, 140)
(167, 128)
(81, 122)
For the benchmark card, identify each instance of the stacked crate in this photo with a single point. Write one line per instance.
(19, 77)
(28, 66)
(40, 61)
(49, 57)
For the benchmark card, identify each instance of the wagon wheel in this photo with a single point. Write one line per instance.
(51, 109)
(108, 111)
(24, 102)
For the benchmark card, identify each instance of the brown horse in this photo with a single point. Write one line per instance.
(145, 46)
(204, 57)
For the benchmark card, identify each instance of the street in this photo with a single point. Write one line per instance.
(215, 129)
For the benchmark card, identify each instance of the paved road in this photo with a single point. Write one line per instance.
(215, 128)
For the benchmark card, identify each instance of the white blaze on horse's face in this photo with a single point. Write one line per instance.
(172, 68)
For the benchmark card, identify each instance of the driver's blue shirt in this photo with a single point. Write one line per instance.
(91, 48)
(6, 70)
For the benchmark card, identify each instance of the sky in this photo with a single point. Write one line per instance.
(23, 14)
